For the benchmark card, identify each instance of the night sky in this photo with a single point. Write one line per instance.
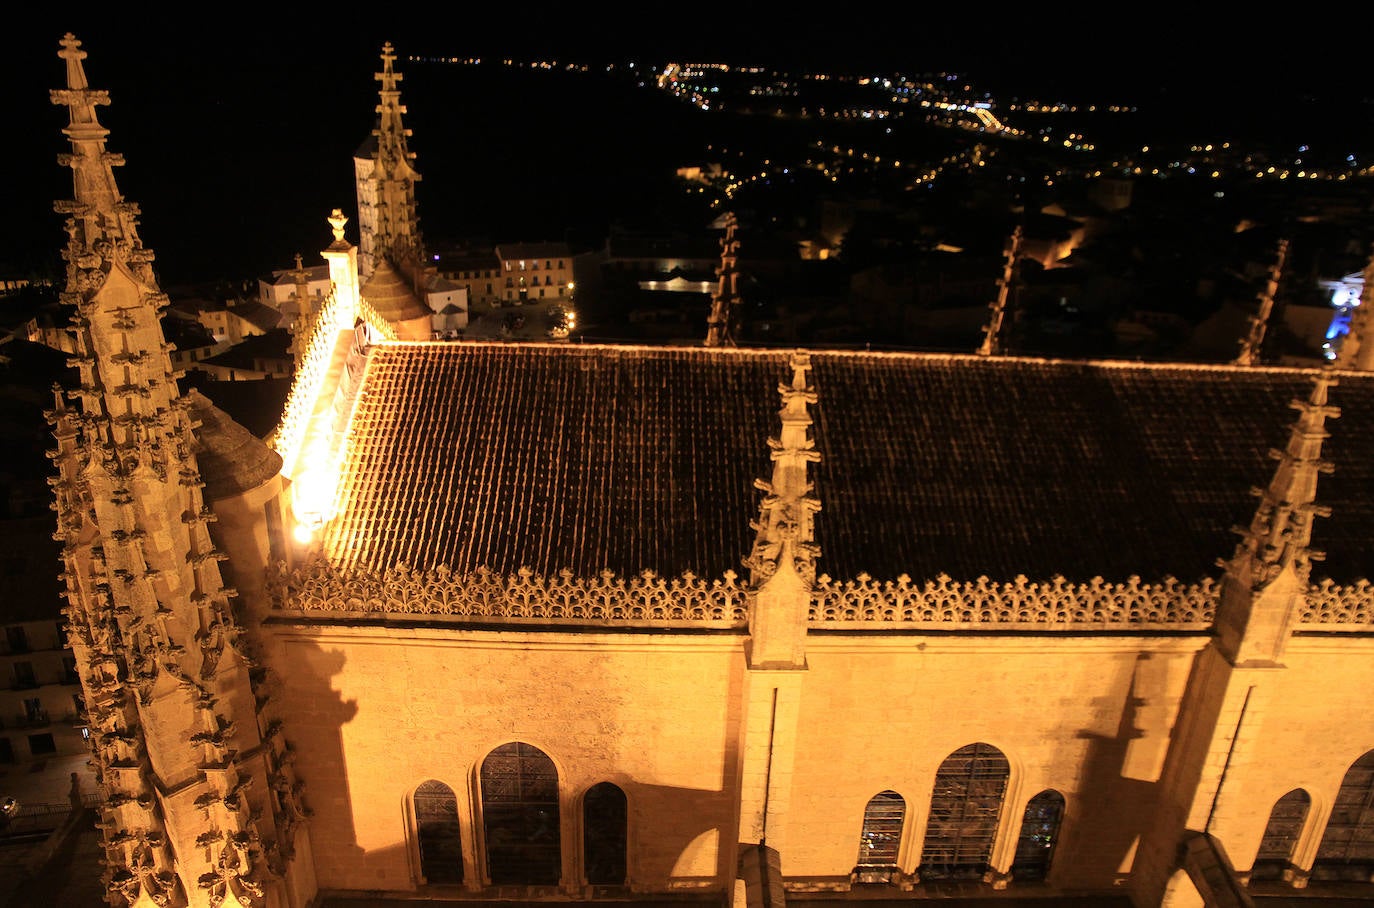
(218, 118)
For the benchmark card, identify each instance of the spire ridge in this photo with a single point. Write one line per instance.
(992, 342)
(126, 459)
(720, 325)
(785, 528)
(101, 226)
(396, 231)
(1252, 342)
(1280, 533)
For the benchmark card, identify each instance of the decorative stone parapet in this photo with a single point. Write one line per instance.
(485, 596)
(1329, 604)
(981, 604)
(522, 597)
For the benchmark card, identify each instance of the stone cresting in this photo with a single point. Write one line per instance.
(939, 604)
(521, 597)
(1327, 603)
(947, 603)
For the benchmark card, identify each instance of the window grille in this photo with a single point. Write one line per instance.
(1346, 851)
(1039, 833)
(436, 827)
(520, 815)
(881, 837)
(964, 810)
(1281, 836)
(603, 828)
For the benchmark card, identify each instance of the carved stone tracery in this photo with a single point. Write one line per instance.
(1055, 604)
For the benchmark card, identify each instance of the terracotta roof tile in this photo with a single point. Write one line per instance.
(631, 458)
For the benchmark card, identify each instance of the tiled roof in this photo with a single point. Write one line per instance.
(630, 458)
(258, 315)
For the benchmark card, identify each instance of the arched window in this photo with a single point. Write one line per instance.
(436, 827)
(1346, 851)
(880, 838)
(964, 810)
(603, 830)
(1281, 835)
(520, 816)
(1039, 833)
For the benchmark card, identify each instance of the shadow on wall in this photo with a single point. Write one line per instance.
(1107, 780)
(513, 821)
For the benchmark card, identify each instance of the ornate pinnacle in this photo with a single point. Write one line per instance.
(991, 343)
(1280, 533)
(785, 528)
(1251, 343)
(397, 229)
(720, 323)
(101, 227)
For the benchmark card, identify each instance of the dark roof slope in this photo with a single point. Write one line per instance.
(631, 458)
(232, 460)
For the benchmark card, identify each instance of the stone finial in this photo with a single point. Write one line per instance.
(337, 220)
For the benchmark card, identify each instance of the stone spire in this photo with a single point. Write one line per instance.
(1357, 350)
(156, 641)
(1269, 572)
(397, 227)
(1252, 342)
(991, 344)
(785, 528)
(720, 325)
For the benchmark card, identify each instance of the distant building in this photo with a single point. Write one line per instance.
(229, 321)
(535, 272)
(258, 356)
(477, 270)
(280, 290)
(42, 712)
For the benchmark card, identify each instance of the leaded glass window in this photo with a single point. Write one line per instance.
(603, 826)
(436, 827)
(964, 810)
(1039, 833)
(1281, 836)
(520, 816)
(1346, 851)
